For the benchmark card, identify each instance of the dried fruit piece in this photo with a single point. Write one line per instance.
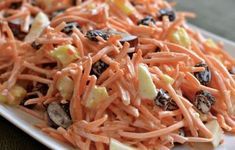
(15, 5)
(167, 12)
(36, 45)
(16, 30)
(131, 39)
(204, 77)
(203, 101)
(98, 68)
(68, 29)
(58, 116)
(92, 35)
(146, 21)
(164, 101)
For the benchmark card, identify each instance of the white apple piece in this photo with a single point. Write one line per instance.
(65, 86)
(65, 54)
(147, 88)
(217, 132)
(97, 95)
(40, 22)
(116, 145)
(18, 93)
(214, 127)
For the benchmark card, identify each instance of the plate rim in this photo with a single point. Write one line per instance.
(51, 143)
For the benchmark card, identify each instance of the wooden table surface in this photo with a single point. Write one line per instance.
(216, 16)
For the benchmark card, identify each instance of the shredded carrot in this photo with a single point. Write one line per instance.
(109, 40)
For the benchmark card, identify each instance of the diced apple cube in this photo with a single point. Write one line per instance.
(65, 54)
(40, 22)
(147, 88)
(96, 97)
(18, 93)
(124, 5)
(116, 145)
(180, 36)
(65, 86)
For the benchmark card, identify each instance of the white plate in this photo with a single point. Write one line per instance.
(26, 122)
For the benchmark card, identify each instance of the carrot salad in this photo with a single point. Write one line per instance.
(115, 74)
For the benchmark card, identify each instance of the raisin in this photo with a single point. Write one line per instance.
(42, 88)
(15, 5)
(16, 30)
(74, 2)
(92, 35)
(158, 49)
(203, 101)
(204, 77)
(49, 65)
(65, 107)
(32, 96)
(164, 101)
(68, 29)
(98, 68)
(131, 39)
(181, 132)
(146, 21)
(58, 116)
(36, 45)
(232, 70)
(167, 12)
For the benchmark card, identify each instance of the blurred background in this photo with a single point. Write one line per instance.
(216, 16)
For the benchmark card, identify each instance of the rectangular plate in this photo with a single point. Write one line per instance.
(26, 122)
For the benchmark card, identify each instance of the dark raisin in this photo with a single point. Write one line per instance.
(68, 29)
(131, 39)
(146, 21)
(6, 15)
(15, 5)
(130, 54)
(65, 107)
(16, 30)
(56, 13)
(49, 65)
(164, 101)
(167, 12)
(203, 101)
(158, 49)
(232, 70)
(42, 88)
(181, 132)
(92, 34)
(32, 96)
(57, 116)
(74, 2)
(98, 68)
(36, 45)
(204, 77)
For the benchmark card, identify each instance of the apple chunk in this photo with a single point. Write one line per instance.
(40, 22)
(116, 145)
(97, 96)
(147, 88)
